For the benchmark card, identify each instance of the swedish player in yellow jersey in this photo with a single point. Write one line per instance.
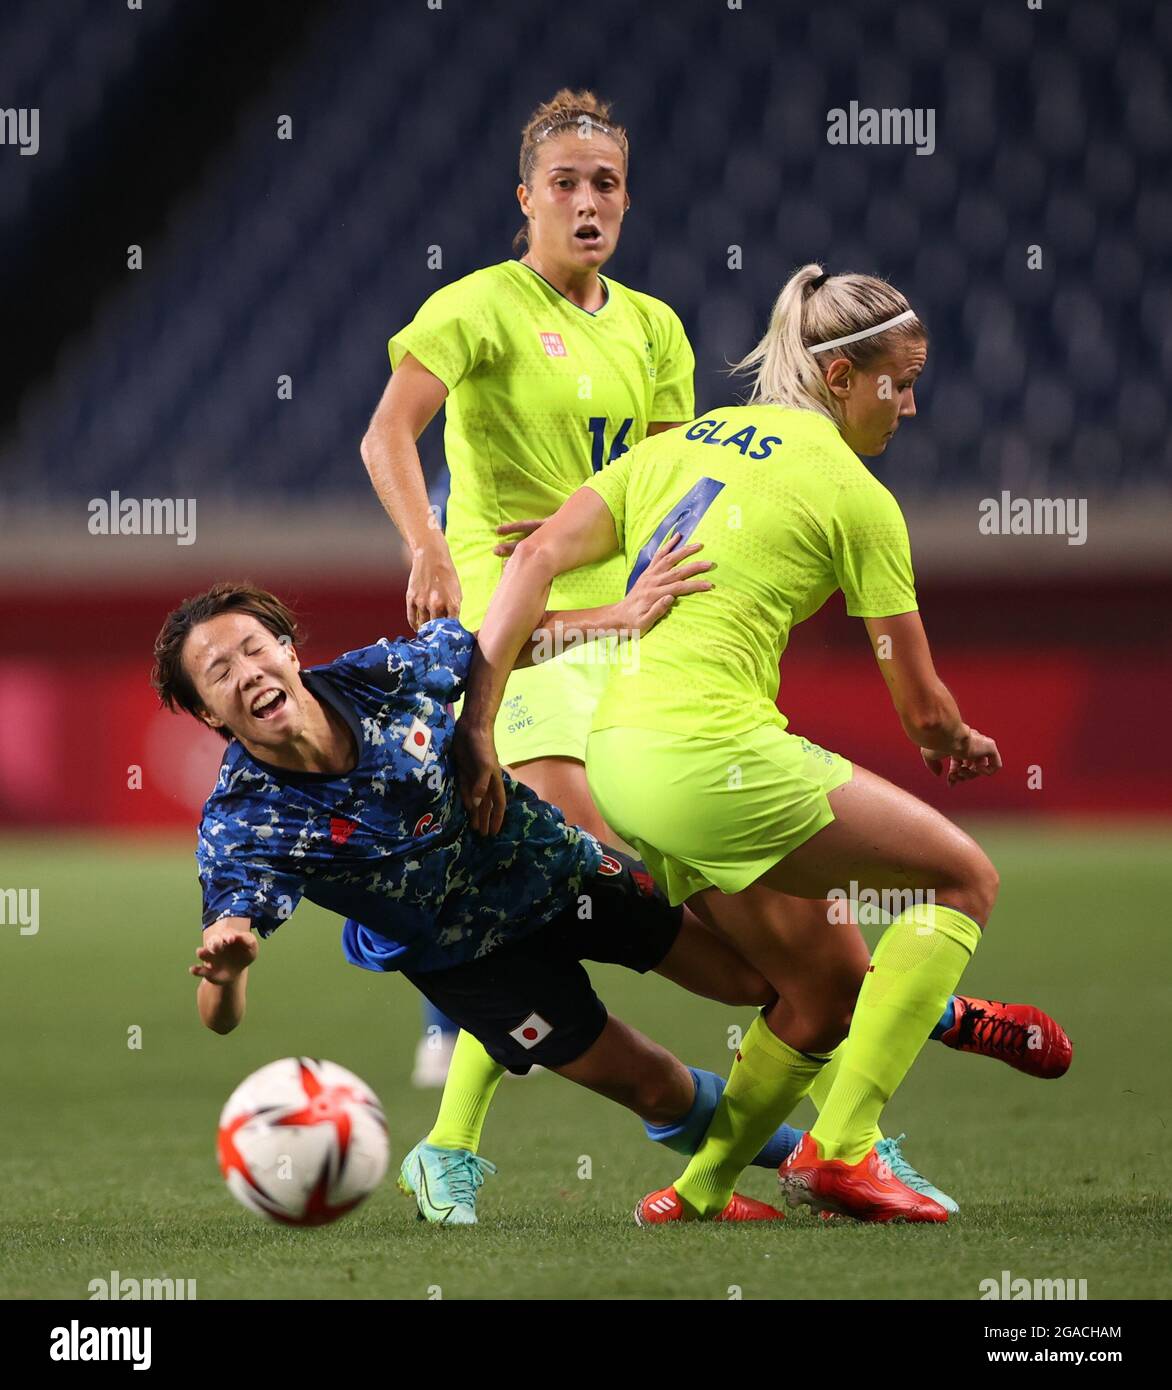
(548, 372)
(690, 760)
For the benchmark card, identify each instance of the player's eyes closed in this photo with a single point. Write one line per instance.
(216, 680)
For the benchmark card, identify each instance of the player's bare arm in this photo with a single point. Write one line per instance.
(409, 403)
(926, 707)
(579, 533)
(229, 947)
(518, 530)
(668, 577)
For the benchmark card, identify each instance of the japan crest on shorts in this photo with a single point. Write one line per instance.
(531, 1032)
(417, 741)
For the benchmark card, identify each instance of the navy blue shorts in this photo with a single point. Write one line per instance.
(531, 1002)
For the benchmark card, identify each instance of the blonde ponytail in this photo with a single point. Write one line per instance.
(814, 308)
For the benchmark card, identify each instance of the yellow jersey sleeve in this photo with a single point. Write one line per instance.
(872, 555)
(674, 400)
(456, 331)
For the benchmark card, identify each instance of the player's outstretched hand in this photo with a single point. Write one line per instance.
(518, 530)
(478, 769)
(225, 953)
(433, 590)
(978, 758)
(664, 580)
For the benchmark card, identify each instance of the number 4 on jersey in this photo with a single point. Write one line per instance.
(684, 517)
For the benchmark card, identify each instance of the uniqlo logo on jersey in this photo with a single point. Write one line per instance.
(531, 1032)
(418, 739)
(340, 829)
(553, 345)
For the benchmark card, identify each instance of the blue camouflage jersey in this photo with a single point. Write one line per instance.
(388, 845)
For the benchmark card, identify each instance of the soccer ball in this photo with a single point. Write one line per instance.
(302, 1142)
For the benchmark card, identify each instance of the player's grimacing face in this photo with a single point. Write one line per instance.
(877, 398)
(576, 204)
(246, 679)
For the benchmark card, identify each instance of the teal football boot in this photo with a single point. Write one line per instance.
(444, 1183)
(892, 1155)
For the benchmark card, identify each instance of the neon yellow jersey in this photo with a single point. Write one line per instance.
(541, 396)
(789, 514)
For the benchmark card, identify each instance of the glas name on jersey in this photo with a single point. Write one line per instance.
(708, 432)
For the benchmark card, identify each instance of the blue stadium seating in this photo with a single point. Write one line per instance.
(298, 258)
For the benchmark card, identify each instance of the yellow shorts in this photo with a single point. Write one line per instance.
(703, 811)
(547, 709)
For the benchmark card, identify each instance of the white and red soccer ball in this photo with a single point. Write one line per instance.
(302, 1142)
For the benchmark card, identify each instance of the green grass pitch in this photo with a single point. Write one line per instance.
(108, 1152)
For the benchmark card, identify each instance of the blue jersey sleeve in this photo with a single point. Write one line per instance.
(434, 661)
(240, 888)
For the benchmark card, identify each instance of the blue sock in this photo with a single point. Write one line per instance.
(947, 1018)
(777, 1149)
(684, 1136)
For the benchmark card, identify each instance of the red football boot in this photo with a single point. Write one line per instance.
(867, 1190)
(665, 1205)
(1019, 1035)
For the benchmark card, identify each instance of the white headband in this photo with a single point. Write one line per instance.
(866, 332)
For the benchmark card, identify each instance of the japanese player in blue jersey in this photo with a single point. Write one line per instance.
(337, 785)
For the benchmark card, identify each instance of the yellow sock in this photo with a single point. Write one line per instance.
(819, 1092)
(767, 1080)
(820, 1087)
(472, 1081)
(915, 968)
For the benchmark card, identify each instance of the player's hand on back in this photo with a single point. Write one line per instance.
(664, 580)
(518, 530)
(478, 770)
(226, 952)
(433, 588)
(978, 758)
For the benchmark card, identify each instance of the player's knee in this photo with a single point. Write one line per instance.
(821, 1030)
(978, 888)
(823, 1038)
(656, 1098)
(972, 887)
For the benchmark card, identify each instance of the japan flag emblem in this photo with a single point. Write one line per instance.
(531, 1032)
(417, 741)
